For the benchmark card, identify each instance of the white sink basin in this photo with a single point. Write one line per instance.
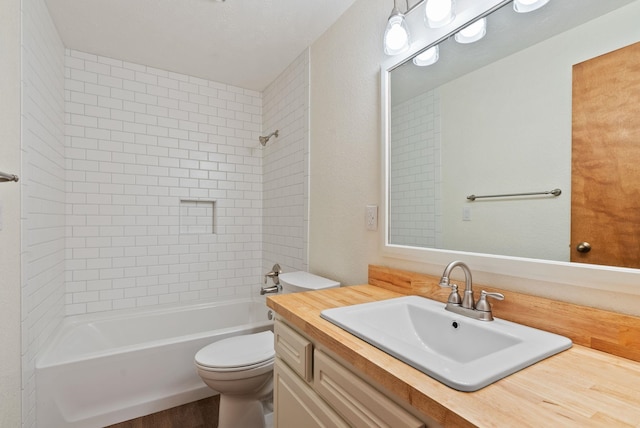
(461, 352)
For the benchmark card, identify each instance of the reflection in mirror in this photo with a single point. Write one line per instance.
(495, 117)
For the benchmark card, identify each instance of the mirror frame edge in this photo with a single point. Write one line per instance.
(499, 269)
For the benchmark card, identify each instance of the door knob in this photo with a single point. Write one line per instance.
(583, 247)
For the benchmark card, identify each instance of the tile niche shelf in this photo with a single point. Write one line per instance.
(197, 216)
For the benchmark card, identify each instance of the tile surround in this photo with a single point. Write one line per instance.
(138, 140)
(286, 168)
(42, 185)
(415, 190)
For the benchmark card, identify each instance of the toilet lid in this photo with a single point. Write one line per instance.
(238, 351)
(307, 281)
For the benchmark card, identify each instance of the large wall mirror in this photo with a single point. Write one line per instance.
(492, 118)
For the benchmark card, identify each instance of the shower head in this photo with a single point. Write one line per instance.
(264, 140)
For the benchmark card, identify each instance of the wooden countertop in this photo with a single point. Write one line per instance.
(579, 387)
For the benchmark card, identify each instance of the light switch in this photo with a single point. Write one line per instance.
(466, 214)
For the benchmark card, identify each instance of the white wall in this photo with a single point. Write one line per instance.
(43, 190)
(10, 373)
(286, 168)
(140, 140)
(345, 142)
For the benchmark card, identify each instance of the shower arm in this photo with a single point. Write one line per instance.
(264, 140)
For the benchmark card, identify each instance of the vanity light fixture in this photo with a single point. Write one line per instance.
(396, 37)
(524, 6)
(439, 13)
(472, 33)
(428, 57)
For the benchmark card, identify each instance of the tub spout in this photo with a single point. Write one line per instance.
(269, 290)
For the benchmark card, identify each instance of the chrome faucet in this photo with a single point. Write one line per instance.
(467, 300)
(466, 305)
(274, 275)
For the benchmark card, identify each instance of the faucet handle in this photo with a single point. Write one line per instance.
(454, 297)
(275, 271)
(483, 304)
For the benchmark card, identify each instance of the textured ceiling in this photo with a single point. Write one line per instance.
(246, 43)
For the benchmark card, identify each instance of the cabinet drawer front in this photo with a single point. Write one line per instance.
(294, 349)
(296, 405)
(358, 402)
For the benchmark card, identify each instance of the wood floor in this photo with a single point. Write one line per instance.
(199, 414)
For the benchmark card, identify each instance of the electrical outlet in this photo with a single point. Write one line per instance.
(372, 217)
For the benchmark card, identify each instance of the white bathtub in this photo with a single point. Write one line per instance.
(107, 368)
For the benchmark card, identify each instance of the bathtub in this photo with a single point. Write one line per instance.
(101, 369)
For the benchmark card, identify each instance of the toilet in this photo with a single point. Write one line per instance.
(240, 368)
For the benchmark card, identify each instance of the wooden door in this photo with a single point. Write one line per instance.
(605, 192)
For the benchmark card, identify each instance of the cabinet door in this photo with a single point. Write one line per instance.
(294, 350)
(359, 403)
(296, 405)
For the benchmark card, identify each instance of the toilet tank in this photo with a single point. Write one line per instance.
(294, 282)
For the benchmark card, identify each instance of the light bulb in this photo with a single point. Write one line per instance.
(428, 57)
(524, 6)
(439, 13)
(473, 32)
(396, 36)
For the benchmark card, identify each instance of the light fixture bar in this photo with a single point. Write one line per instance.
(416, 5)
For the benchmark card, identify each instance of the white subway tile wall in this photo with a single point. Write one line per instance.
(286, 168)
(43, 191)
(415, 204)
(138, 140)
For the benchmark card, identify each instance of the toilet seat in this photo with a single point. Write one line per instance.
(239, 353)
(248, 368)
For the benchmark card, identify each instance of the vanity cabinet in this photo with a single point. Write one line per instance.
(312, 389)
(297, 405)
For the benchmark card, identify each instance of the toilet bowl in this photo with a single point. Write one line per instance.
(240, 368)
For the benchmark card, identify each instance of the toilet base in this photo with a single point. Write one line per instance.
(235, 413)
(245, 411)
